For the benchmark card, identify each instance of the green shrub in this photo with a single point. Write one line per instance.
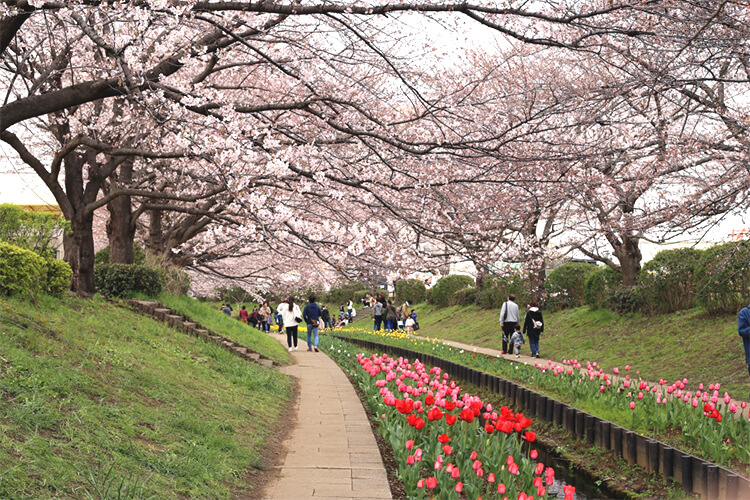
(723, 277)
(122, 280)
(466, 296)
(497, 288)
(444, 292)
(412, 290)
(58, 276)
(102, 256)
(625, 300)
(599, 286)
(566, 285)
(667, 282)
(21, 270)
(30, 230)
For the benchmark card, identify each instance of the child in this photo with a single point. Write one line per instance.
(410, 324)
(517, 339)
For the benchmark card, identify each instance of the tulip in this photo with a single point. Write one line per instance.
(491, 477)
(420, 484)
(534, 454)
(473, 455)
(431, 482)
(455, 474)
(447, 449)
(459, 487)
(632, 405)
(500, 488)
(444, 438)
(410, 444)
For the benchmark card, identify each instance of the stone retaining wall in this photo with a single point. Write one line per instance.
(698, 476)
(161, 313)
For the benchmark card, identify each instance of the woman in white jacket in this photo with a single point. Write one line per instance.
(292, 316)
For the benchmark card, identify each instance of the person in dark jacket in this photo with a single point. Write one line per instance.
(533, 326)
(743, 328)
(390, 316)
(325, 315)
(311, 314)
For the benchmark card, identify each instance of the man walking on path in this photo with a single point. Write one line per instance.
(377, 316)
(509, 318)
(743, 327)
(311, 315)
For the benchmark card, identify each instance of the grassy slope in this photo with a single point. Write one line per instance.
(85, 386)
(209, 316)
(684, 344)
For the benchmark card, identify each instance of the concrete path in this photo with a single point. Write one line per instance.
(331, 453)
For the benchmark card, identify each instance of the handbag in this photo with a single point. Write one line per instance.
(315, 324)
(297, 319)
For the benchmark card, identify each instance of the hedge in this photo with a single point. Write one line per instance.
(723, 277)
(412, 290)
(599, 285)
(444, 292)
(21, 271)
(566, 285)
(668, 282)
(123, 280)
(58, 276)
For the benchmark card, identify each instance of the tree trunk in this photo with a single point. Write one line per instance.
(121, 226)
(79, 246)
(629, 255)
(79, 253)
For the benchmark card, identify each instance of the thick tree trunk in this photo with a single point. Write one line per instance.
(121, 226)
(629, 255)
(79, 253)
(79, 246)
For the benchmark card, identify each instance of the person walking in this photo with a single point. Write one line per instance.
(509, 318)
(325, 315)
(533, 326)
(377, 316)
(743, 328)
(311, 315)
(390, 316)
(349, 307)
(243, 315)
(290, 316)
(264, 314)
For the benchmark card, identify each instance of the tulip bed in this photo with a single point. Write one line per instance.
(702, 420)
(448, 443)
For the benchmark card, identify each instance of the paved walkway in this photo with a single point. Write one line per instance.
(331, 453)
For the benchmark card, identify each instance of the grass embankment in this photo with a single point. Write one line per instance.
(671, 346)
(209, 316)
(93, 395)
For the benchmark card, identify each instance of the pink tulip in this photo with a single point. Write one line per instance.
(632, 405)
(695, 403)
(459, 487)
(410, 460)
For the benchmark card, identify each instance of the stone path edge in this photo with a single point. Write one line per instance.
(698, 476)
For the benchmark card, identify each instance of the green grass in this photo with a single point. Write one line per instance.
(671, 346)
(211, 317)
(93, 396)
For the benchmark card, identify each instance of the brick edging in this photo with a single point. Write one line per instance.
(710, 481)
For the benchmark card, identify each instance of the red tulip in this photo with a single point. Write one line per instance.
(447, 449)
(431, 482)
(430, 399)
(444, 438)
(491, 477)
(450, 419)
(459, 487)
(410, 444)
(529, 436)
